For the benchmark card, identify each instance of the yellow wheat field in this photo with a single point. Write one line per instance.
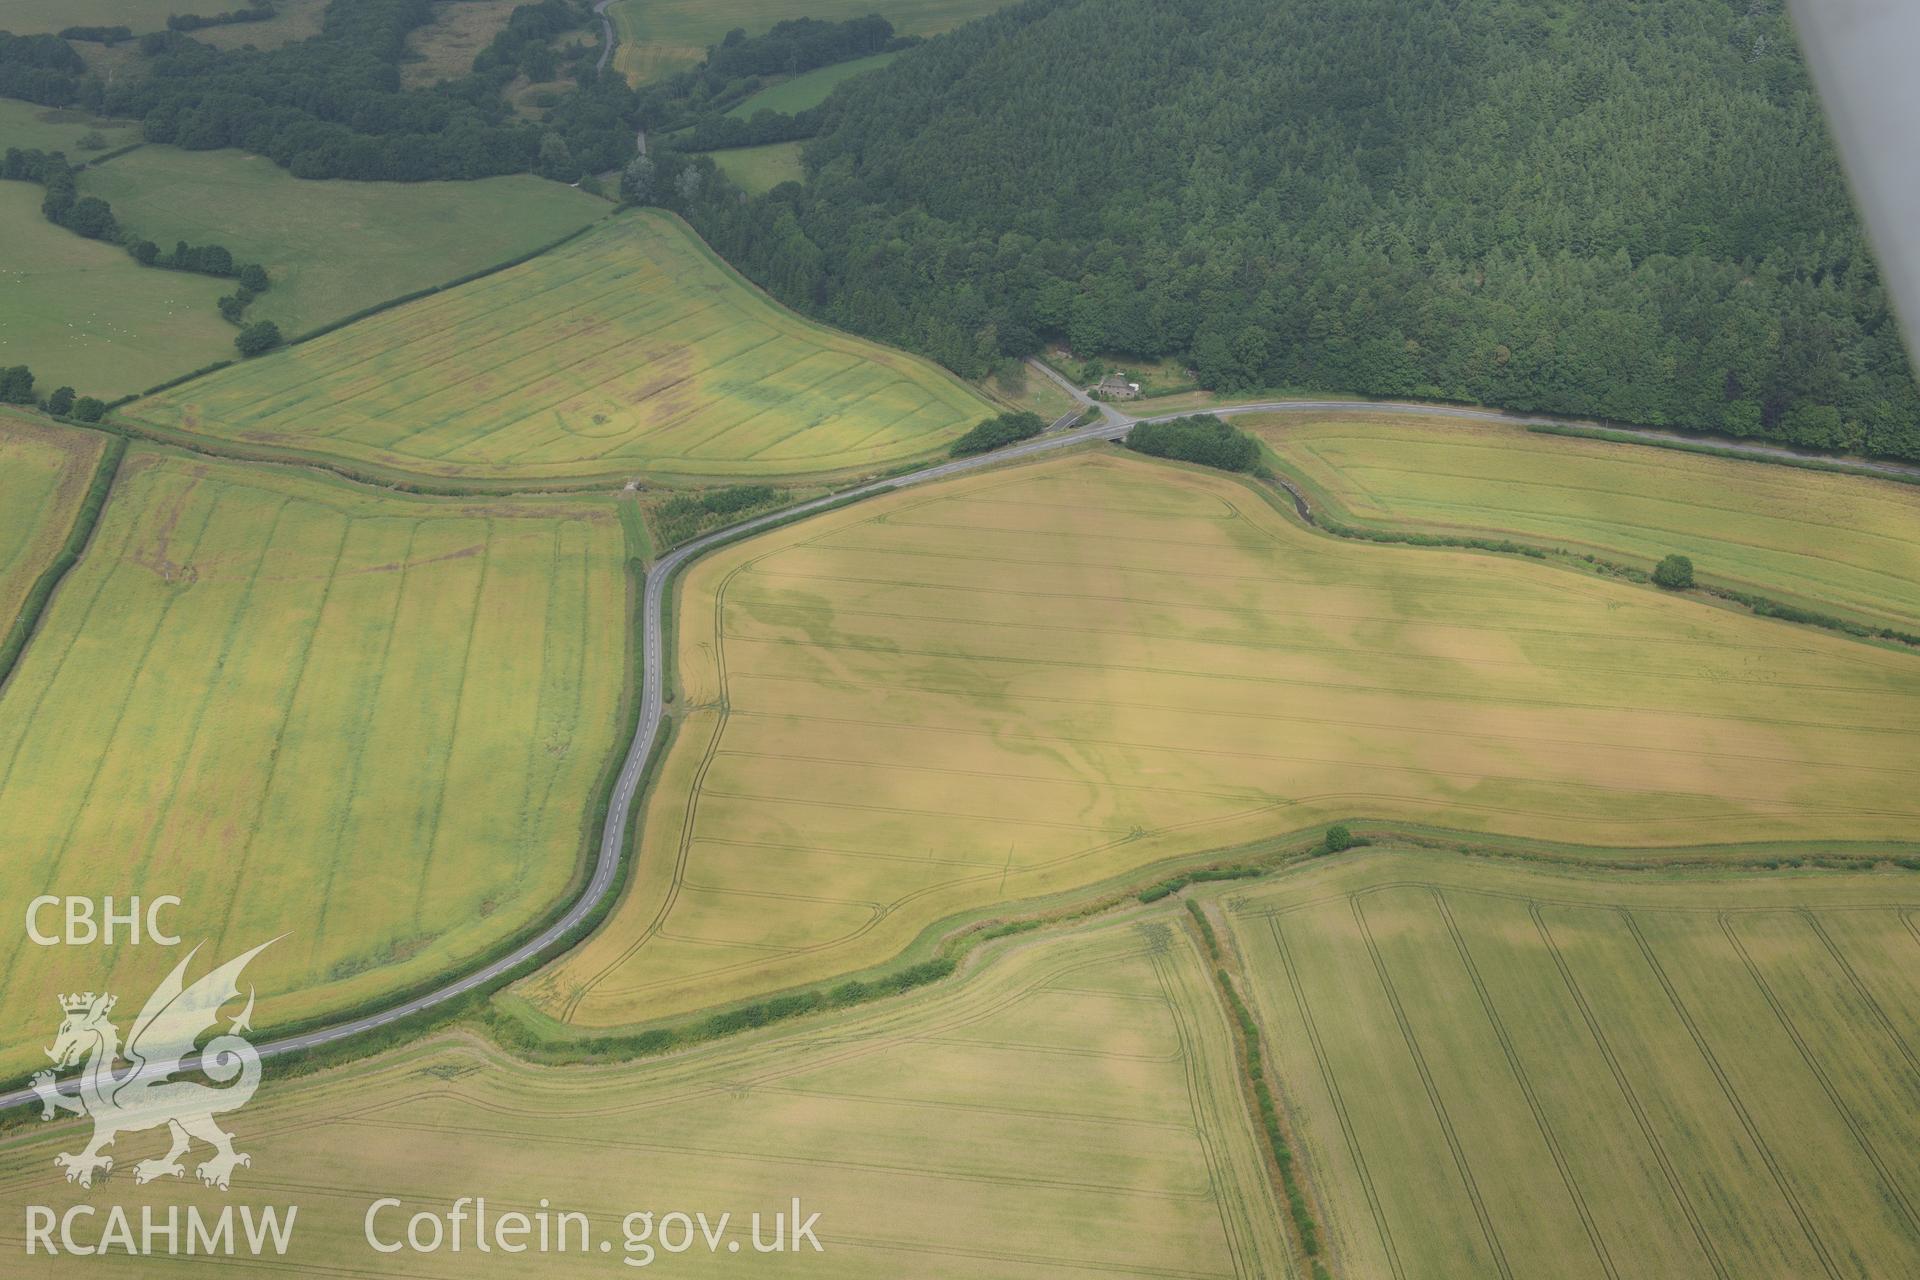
(369, 722)
(1070, 1108)
(1029, 681)
(44, 473)
(1830, 542)
(631, 350)
(1496, 1071)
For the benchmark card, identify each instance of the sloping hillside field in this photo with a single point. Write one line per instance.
(1032, 680)
(332, 248)
(83, 314)
(371, 723)
(44, 473)
(630, 350)
(1820, 538)
(1504, 1072)
(1069, 1110)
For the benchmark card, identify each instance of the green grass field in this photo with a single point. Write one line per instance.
(292, 20)
(1018, 385)
(1494, 1071)
(36, 128)
(632, 349)
(375, 723)
(758, 169)
(1814, 537)
(1030, 681)
(332, 248)
(84, 314)
(1070, 1108)
(44, 473)
(811, 88)
(659, 37)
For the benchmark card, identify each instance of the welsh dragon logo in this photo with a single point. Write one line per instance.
(143, 1095)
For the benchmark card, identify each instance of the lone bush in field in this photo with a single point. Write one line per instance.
(998, 433)
(16, 385)
(258, 339)
(1675, 573)
(1202, 438)
(1339, 837)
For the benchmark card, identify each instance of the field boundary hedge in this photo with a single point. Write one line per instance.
(105, 156)
(79, 534)
(442, 287)
(1253, 1079)
(1759, 605)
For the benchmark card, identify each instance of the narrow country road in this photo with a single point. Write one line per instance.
(1112, 425)
(606, 40)
(619, 814)
(1419, 409)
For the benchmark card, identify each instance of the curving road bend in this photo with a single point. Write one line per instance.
(1113, 424)
(614, 834)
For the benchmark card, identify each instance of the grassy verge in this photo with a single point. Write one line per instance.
(1723, 451)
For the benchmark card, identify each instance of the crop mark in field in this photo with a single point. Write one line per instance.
(1320, 615)
(1323, 615)
(1890, 1186)
(1729, 1092)
(1399, 654)
(301, 666)
(1526, 1085)
(1432, 1090)
(840, 683)
(161, 615)
(951, 771)
(357, 748)
(430, 839)
(206, 698)
(1332, 1084)
(1554, 704)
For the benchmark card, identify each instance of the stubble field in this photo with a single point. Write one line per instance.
(1030, 681)
(1821, 539)
(630, 350)
(372, 723)
(44, 473)
(1504, 1072)
(1069, 1109)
